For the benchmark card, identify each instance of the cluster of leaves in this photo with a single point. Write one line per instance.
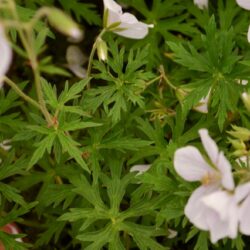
(68, 185)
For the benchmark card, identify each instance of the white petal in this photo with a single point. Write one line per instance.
(202, 105)
(245, 216)
(78, 70)
(190, 165)
(135, 31)
(209, 145)
(6, 55)
(219, 202)
(248, 34)
(140, 168)
(5, 145)
(224, 166)
(113, 17)
(113, 6)
(171, 233)
(128, 18)
(225, 206)
(218, 159)
(202, 4)
(196, 211)
(220, 229)
(244, 4)
(242, 191)
(75, 56)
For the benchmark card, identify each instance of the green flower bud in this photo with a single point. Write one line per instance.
(246, 100)
(181, 94)
(102, 50)
(240, 133)
(63, 23)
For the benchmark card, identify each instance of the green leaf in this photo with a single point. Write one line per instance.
(42, 146)
(70, 146)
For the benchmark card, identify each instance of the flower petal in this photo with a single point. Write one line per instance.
(244, 216)
(113, 6)
(218, 159)
(209, 145)
(133, 30)
(224, 166)
(140, 168)
(190, 165)
(242, 191)
(245, 4)
(202, 4)
(196, 211)
(226, 207)
(6, 55)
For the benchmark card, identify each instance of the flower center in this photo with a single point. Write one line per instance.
(209, 178)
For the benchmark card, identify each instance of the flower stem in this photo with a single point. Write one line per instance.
(92, 53)
(164, 76)
(21, 93)
(28, 44)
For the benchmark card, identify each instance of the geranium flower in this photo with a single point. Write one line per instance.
(245, 4)
(214, 173)
(202, 105)
(6, 55)
(123, 24)
(202, 4)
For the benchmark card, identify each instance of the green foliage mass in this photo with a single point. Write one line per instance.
(66, 181)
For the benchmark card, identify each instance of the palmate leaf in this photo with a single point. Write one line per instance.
(82, 10)
(43, 146)
(15, 213)
(99, 238)
(57, 194)
(70, 146)
(11, 194)
(55, 228)
(142, 236)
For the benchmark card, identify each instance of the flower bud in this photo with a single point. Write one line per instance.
(63, 23)
(102, 50)
(246, 100)
(181, 94)
(240, 133)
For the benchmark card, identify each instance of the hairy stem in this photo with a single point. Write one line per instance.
(21, 93)
(92, 53)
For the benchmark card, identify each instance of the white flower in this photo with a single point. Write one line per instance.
(214, 174)
(6, 55)
(202, 105)
(140, 168)
(75, 59)
(202, 4)
(124, 24)
(245, 4)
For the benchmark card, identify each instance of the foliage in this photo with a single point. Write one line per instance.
(66, 179)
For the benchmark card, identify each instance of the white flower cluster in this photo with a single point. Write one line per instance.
(217, 205)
